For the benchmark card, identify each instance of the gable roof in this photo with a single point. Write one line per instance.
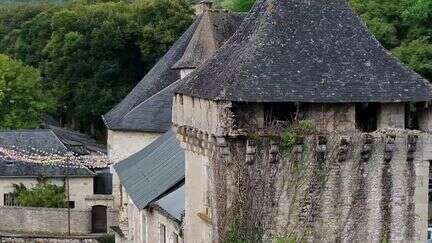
(304, 51)
(215, 27)
(39, 141)
(159, 77)
(26, 169)
(153, 171)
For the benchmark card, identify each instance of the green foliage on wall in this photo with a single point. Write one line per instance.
(92, 53)
(22, 98)
(43, 195)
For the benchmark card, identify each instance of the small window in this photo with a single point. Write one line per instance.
(175, 238)
(9, 199)
(71, 204)
(366, 116)
(102, 184)
(162, 233)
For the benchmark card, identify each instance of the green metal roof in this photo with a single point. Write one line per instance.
(151, 172)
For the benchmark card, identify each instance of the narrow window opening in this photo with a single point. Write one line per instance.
(411, 116)
(162, 233)
(430, 198)
(367, 116)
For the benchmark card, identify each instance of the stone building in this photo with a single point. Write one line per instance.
(90, 212)
(154, 179)
(368, 155)
(145, 114)
(31, 157)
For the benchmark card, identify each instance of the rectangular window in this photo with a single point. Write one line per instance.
(71, 204)
(9, 199)
(102, 184)
(162, 233)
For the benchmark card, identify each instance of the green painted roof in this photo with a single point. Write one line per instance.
(151, 172)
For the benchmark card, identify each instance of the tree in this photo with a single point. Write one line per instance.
(22, 98)
(43, 195)
(91, 53)
(238, 5)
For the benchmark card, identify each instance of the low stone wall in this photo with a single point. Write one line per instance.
(13, 239)
(49, 220)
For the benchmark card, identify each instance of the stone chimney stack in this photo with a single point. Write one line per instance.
(203, 6)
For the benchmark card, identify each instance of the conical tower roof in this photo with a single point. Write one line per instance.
(304, 51)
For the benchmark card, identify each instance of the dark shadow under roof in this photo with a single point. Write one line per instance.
(159, 77)
(25, 169)
(39, 141)
(154, 170)
(304, 51)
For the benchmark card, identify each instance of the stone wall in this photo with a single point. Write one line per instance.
(144, 226)
(14, 239)
(49, 220)
(357, 187)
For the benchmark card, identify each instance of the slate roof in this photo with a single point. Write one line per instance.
(26, 169)
(213, 30)
(148, 106)
(173, 204)
(153, 171)
(77, 142)
(159, 77)
(154, 114)
(304, 51)
(33, 141)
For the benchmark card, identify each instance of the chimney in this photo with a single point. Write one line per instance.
(204, 6)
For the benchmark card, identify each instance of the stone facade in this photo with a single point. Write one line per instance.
(49, 220)
(14, 239)
(376, 184)
(144, 226)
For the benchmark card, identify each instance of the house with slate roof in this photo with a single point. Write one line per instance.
(30, 157)
(314, 61)
(145, 114)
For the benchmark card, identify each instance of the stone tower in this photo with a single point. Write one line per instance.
(306, 64)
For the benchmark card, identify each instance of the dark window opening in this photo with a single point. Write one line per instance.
(367, 116)
(281, 113)
(71, 204)
(10, 199)
(411, 116)
(102, 183)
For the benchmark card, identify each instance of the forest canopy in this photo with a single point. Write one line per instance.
(91, 53)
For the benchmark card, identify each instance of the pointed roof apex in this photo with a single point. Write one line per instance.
(204, 6)
(215, 28)
(304, 51)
